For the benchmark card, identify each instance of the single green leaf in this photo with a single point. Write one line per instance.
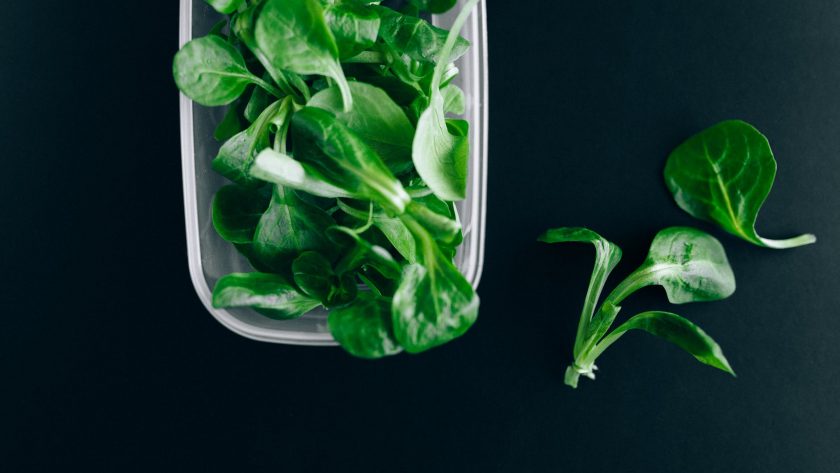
(724, 174)
(226, 6)
(379, 121)
(314, 275)
(237, 211)
(269, 293)
(607, 256)
(418, 39)
(690, 264)
(344, 160)
(211, 71)
(271, 166)
(434, 303)
(293, 36)
(354, 26)
(365, 328)
(675, 329)
(236, 156)
(440, 157)
(290, 227)
(454, 100)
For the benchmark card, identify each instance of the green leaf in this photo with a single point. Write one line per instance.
(269, 293)
(440, 157)
(314, 275)
(293, 36)
(375, 117)
(236, 156)
(257, 103)
(433, 304)
(354, 26)
(211, 71)
(724, 174)
(237, 211)
(454, 100)
(271, 166)
(675, 329)
(690, 264)
(290, 227)
(365, 328)
(607, 256)
(418, 39)
(226, 6)
(363, 254)
(231, 123)
(344, 160)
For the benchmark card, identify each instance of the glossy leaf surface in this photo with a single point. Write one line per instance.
(365, 328)
(270, 293)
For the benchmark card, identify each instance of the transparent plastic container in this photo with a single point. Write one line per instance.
(210, 257)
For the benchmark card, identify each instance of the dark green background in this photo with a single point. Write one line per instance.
(110, 363)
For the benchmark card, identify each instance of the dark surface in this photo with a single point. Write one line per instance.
(110, 363)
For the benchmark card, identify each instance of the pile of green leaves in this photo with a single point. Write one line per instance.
(343, 162)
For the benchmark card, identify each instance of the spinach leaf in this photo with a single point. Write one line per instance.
(675, 329)
(293, 36)
(212, 72)
(440, 157)
(417, 39)
(379, 121)
(724, 174)
(290, 227)
(690, 264)
(269, 293)
(344, 160)
(433, 304)
(271, 166)
(354, 25)
(237, 211)
(226, 6)
(364, 328)
(607, 256)
(314, 275)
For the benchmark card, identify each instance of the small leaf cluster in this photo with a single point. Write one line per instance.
(344, 164)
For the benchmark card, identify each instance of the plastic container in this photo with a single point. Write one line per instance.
(210, 257)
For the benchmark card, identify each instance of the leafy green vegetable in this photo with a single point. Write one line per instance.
(724, 174)
(688, 263)
(434, 303)
(270, 293)
(212, 72)
(328, 203)
(314, 275)
(375, 117)
(237, 212)
(440, 157)
(293, 35)
(226, 6)
(364, 328)
(354, 25)
(289, 227)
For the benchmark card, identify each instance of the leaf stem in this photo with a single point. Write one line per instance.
(268, 87)
(801, 240)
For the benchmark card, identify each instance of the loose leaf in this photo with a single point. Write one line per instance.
(354, 26)
(269, 293)
(226, 6)
(365, 328)
(675, 329)
(237, 212)
(211, 71)
(314, 275)
(418, 39)
(724, 174)
(607, 256)
(375, 117)
(290, 227)
(293, 36)
(271, 166)
(433, 304)
(236, 156)
(441, 158)
(344, 160)
(690, 264)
